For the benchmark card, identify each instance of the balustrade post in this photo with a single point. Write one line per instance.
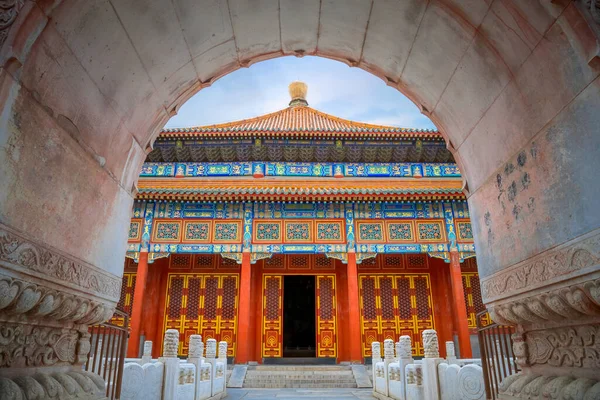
(432, 358)
(171, 363)
(147, 354)
(404, 356)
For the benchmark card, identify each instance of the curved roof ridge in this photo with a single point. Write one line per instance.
(292, 118)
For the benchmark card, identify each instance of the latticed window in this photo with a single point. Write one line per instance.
(300, 261)
(393, 261)
(180, 261)
(203, 261)
(276, 261)
(228, 262)
(323, 262)
(416, 260)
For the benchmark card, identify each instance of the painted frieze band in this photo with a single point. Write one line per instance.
(183, 227)
(290, 169)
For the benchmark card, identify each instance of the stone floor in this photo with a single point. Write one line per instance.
(292, 394)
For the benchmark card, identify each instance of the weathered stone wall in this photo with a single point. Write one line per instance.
(513, 85)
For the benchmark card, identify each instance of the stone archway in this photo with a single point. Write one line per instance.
(85, 86)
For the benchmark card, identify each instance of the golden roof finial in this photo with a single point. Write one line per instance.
(298, 93)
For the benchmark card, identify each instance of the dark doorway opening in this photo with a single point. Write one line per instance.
(299, 336)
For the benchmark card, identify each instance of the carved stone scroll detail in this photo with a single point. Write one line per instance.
(534, 387)
(570, 303)
(39, 302)
(62, 385)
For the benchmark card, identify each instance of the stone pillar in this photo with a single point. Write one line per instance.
(354, 341)
(48, 300)
(459, 306)
(450, 353)
(171, 362)
(196, 350)
(404, 356)
(243, 337)
(375, 358)
(147, 354)
(133, 346)
(430, 365)
(196, 357)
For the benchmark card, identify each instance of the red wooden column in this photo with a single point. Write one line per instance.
(459, 306)
(243, 341)
(133, 346)
(354, 341)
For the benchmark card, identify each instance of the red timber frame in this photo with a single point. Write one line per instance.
(433, 297)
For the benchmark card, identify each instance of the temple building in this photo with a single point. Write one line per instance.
(300, 234)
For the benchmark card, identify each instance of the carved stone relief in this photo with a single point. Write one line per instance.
(568, 258)
(34, 346)
(9, 10)
(565, 347)
(19, 253)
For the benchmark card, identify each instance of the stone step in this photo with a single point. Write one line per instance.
(329, 373)
(282, 385)
(299, 368)
(300, 376)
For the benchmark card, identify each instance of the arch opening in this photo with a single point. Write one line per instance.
(513, 87)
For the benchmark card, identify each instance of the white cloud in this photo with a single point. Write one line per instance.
(333, 88)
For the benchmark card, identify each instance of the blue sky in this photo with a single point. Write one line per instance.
(333, 87)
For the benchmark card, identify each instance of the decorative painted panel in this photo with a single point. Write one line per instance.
(394, 305)
(267, 231)
(272, 343)
(400, 231)
(473, 299)
(298, 231)
(166, 231)
(203, 304)
(464, 232)
(135, 230)
(326, 316)
(431, 231)
(196, 232)
(370, 231)
(227, 232)
(330, 231)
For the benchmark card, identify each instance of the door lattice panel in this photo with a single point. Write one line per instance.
(473, 299)
(126, 300)
(395, 305)
(326, 316)
(203, 304)
(272, 316)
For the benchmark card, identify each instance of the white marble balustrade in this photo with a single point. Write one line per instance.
(399, 377)
(169, 378)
